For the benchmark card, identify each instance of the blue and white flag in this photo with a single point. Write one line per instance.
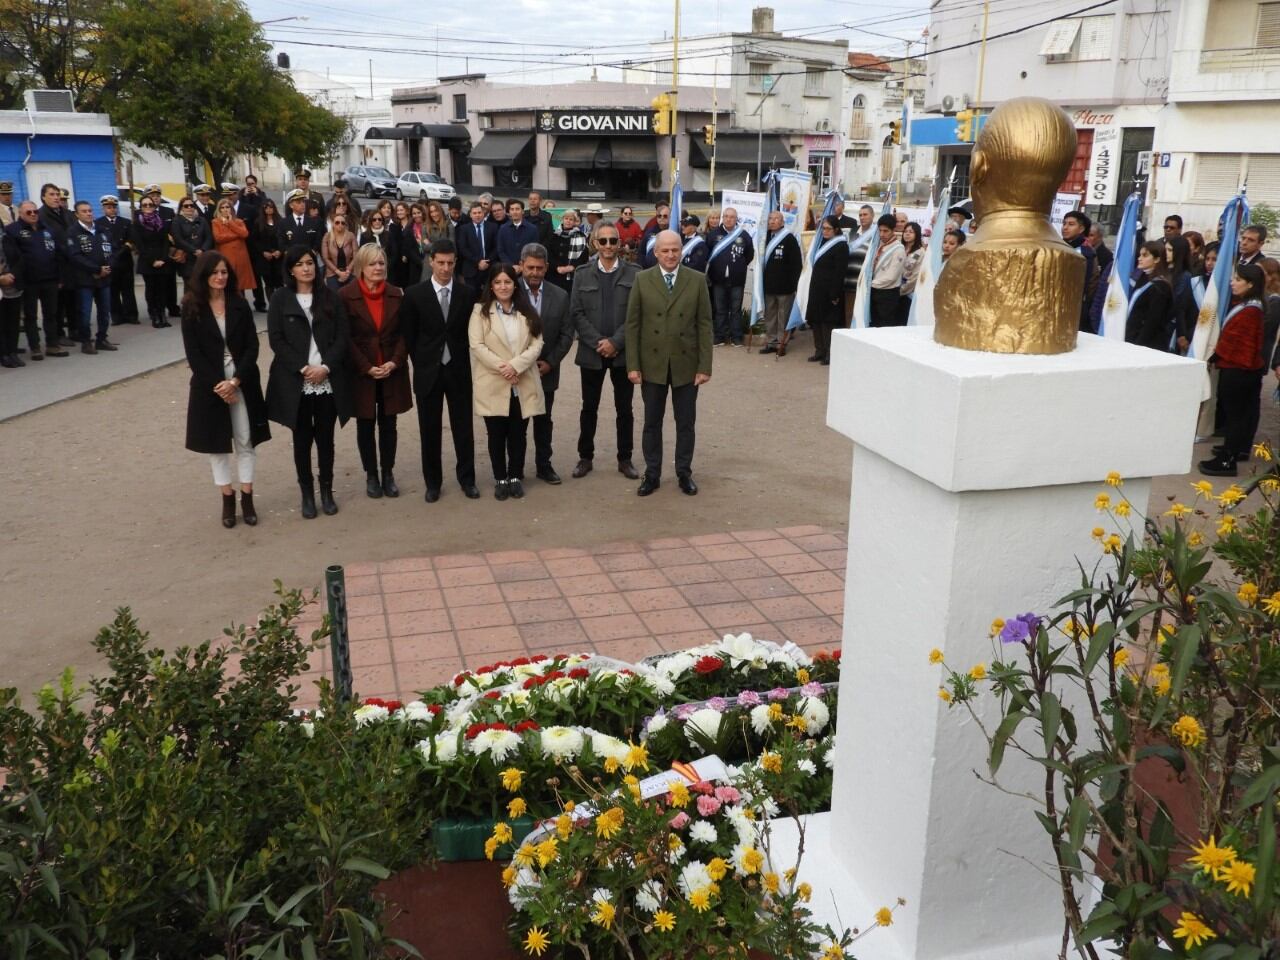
(801, 302)
(862, 298)
(677, 203)
(921, 314)
(1115, 309)
(762, 254)
(1217, 294)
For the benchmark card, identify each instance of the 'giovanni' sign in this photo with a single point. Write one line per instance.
(601, 122)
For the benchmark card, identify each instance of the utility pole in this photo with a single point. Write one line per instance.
(715, 101)
(982, 50)
(675, 97)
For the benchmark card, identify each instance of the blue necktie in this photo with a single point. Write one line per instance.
(671, 281)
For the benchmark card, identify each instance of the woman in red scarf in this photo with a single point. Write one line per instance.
(1238, 357)
(380, 373)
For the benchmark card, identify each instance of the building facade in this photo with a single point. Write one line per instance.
(874, 96)
(76, 151)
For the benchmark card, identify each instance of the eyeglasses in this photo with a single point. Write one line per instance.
(375, 220)
(607, 241)
(185, 206)
(339, 223)
(152, 206)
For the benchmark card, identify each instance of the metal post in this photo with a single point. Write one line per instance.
(675, 104)
(335, 588)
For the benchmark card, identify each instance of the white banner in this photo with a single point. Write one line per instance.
(1104, 167)
(1063, 203)
(748, 205)
(793, 198)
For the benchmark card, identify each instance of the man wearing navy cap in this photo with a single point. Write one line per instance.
(124, 300)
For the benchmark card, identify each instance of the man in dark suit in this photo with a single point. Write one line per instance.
(435, 315)
(552, 304)
(295, 227)
(475, 241)
(124, 299)
(539, 218)
(58, 220)
(302, 181)
(669, 349)
(204, 201)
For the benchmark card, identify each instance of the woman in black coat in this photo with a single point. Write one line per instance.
(267, 254)
(307, 389)
(150, 237)
(192, 236)
(825, 308)
(225, 408)
(1150, 322)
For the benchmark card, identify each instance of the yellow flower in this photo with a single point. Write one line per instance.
(564, 826)
(603, 914)
(1238, 876)
(536, 941)
(1123, 508)
(771, 881)
(1102, 501)
(798, 722)
(790, 874)
(1195, 538)
(1193, 930)
(511, 779)
(804, 891)
(996, 626)
(1098, 533)
(1114, 480)
(802, 675)
(1269, 484)
(490, 848)
(664, 920)
(1162, 687)
(525, 856)
(674, 843)
(502, 832)
(1178, 511)
(1112, 544)
(700, 900)
(611, 765)
(944, 694)
(637, 756)
(516, 807)
(752, 860)
(1231, 496)
(609, 823)
(1121, 658)
(832, 951)
(633, 785)
(1226, 525)
(1203, 488)
(775, 711)
(548, 849)
(1160, 670)
(977, 672)
(508, 876)
(771, 762)
(1167, 631)
(1262, 452)
(935, 655)
(1210, 857)
(1271, 605)
(569, 805)
(679, 794)
(1189, 731)
(717, 868)
(884, 917)
(1248, 594)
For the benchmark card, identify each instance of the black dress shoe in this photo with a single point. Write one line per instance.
(687, 486)
(1222, 466)
(433, 494)
(582, 469)
(471, 490)
(825, 361)
(628, 470)
(389, 484)
(548, 475)
(327, 503)
(372, 486)
(769, 348)
(516, 489)
(308, 501)
(501, 490)
(647, 486)
(229, 510)
(247, 509)
(815, 358)
(1220, 453)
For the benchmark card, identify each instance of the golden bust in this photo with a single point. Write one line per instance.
(1016, 286)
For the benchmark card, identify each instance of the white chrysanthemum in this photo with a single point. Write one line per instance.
(446, 747)
(602, 895)
(370, 713)
(676, 665)
(308, 729)
(458, 713)
(412, 711)
(656, 722)
(760, 721)
(499, 744)
(526, 670)
(662, 686)
(742, 825)
(676, 851)
(703, 832)
(562, 743)
(524, 888)
(771, 809)
(694, 877)
(606, 747)
(705, 722)
(649, 896)
(807, 766)
(816, 715)
(560, 688)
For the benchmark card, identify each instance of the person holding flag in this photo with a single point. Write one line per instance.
(731, 252)
(931, 266)
(1114, 322)
(797, 317)
(781, 266)
(824, 307)
(871, 238)
(887, 265)
(1150, 320)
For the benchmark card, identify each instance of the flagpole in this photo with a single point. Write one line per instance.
(675, 96)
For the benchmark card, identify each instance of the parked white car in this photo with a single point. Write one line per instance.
(418, 185)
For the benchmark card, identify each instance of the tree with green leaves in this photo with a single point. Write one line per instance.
(195, 79)
(50, 44)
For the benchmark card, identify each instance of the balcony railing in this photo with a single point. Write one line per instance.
(1240, 59)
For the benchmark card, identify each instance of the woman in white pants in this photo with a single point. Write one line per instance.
(226, 412)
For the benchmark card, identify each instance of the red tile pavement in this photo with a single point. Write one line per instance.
(416, 621)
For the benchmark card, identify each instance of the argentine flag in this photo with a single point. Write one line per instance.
(862, 299)
(1115, 310)
(931, 266)
(801, 302)
(677, 203)
(1217, 294)
(762, 234)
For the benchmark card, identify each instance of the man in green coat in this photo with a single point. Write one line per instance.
(669, 347)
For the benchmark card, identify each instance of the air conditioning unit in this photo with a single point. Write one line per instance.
(824, 124)
(955, 103)
(50, 101)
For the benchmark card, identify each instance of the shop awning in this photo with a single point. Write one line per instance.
(740, 151)
(634, 153)
(504, 149)
(419, 131)
(578, 153)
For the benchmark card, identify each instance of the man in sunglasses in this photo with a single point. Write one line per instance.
(661, 221)
(30, 247)
(598, 311)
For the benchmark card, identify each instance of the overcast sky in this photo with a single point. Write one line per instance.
(539, 41)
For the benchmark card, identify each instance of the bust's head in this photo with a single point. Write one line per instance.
(1024, 151)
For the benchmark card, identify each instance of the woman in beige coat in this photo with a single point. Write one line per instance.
(506, 338)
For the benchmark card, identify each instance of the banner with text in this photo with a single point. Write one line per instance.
(748, 205)
(793, 198)
(1104, 167)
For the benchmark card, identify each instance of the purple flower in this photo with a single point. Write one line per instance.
(778, 693)
(1020, 629)
(813, 689)
(684, 711)
(748, 698)
(718, 704)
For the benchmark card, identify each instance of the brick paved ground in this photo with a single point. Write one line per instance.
(414, 622)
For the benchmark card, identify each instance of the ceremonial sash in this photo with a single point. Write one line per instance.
(726, 242)
(1197, 291)
(1236, 309)
(830, 245)
(691, 244)
(648, 247)
(772, 245)
(861, 240)
(1137, 293)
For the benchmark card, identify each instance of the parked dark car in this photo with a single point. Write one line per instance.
(371, 181)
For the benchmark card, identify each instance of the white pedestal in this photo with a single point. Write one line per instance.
(974, 476)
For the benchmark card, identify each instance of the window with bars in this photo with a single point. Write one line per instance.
(1268, 25)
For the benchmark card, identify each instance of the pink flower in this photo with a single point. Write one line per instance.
(703, 786)
(748, 698)
(708, 806)
(679, 821)
(813, 689)
(778, 693)
(728, 794)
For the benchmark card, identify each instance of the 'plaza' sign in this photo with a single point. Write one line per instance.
(602, 122)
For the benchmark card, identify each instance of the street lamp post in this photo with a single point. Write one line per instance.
(766, 87)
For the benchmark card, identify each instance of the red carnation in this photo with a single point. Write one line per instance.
(476, 729)
(554, 675)
(524, 725)
(487, 668)
(579, 673)
(533, 682)
(537, 658)
(835, 654)
(520, 662)
(392, 705)
(493, 695)
(461, 678)
(498, 726)
(434, 708)
(708, 665)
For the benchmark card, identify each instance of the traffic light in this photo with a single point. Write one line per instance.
(709, 134)
(895, 131)
(965, 121)
(661, 115)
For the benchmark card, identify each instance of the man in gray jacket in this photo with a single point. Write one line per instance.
(552, 304)
(598, 311)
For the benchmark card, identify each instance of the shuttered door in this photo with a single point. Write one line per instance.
(1078, 176)
(1269, 24)
(1264, 178)
(1217, 176)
